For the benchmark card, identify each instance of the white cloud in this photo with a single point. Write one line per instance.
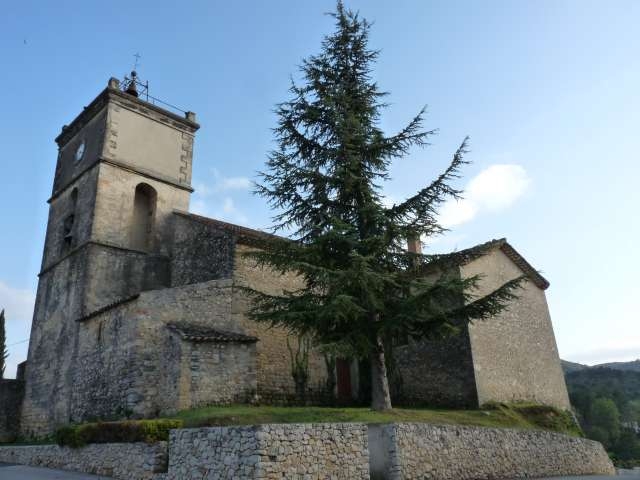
(234, 183)
(17, 303)
(493, 190)
(221, 184)
(617, 349)
(214, 200)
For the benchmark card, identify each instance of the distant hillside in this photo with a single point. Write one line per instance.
(570, 367)
(632, 366)
(605, 382)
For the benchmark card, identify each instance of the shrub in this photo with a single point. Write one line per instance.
(541, 416)
(149, 431)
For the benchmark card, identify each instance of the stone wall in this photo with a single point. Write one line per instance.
(510, 357)
(11, 394)
(418, 451)
(52, 345)
(296, 451)
(437, 373)
(121, 461)
(514, 353)
(128, 361)
(215, 373)
(332, 450)
(200, 252)
(275, 384)
(114, 212)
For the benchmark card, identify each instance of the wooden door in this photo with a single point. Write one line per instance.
(343, 378)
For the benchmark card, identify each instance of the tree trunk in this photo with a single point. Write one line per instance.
(380, 398)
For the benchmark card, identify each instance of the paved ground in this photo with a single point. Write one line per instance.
(629, 477)
(20, 472)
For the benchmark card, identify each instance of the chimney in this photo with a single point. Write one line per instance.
(413, 244)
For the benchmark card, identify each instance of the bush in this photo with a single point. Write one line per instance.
(541, 416)
(149, 431)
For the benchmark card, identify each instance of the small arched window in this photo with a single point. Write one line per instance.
(68, 231)
(144, 210)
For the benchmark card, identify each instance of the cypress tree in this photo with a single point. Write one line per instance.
(362, 288)
(4, 354)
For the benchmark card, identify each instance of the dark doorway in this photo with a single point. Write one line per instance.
(343, 377)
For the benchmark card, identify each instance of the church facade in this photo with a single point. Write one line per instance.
(140, 308)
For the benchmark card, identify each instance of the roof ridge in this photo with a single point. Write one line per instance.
(199, 333)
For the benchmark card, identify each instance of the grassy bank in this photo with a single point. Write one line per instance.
(522, 416)
(501, 416)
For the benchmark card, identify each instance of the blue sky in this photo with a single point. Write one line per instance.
(547, 90)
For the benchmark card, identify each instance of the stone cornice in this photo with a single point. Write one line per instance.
(123, 166)
(130, 102)
(98, 243)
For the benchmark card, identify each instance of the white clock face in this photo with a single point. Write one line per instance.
(80, 151)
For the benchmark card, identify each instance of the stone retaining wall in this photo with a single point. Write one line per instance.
(337, 451)
(295, 451)
(121, 461)
(422, 451)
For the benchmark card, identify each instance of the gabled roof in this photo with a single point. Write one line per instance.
(250, 236)
(472, 253)
(108, 307)
(193, 333)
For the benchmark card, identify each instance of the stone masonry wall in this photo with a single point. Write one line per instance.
(53, 344)
(199, 252)
(296, 451)
(215, 373)
(423, 451)
(128, 361)
(204, 249)
(11, 394)
(275, 383)
(435, 373)
(514, 353)
(121, 461)
(334, 451)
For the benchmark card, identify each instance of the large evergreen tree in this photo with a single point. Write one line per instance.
(362, 288)
(3, 345)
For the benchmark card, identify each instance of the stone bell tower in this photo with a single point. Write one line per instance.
(124, 165)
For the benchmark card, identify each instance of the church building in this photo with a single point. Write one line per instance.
(140, 309)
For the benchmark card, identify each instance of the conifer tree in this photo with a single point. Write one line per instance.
(4, 354)
(362, 288)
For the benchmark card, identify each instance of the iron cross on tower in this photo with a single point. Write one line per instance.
(137, 56)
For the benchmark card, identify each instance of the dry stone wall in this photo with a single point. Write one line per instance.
(120, 461)
(423, 451)
(335, 451)
(296, 451)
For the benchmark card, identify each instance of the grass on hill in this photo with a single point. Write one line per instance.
(523, 416)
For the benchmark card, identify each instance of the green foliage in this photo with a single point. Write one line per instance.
(633, 411)
(627, 447)
(542, 416)
(300, 366)
(604, 416)
(149, 431)
(4, 354)
(607, 402)
(362, 287)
